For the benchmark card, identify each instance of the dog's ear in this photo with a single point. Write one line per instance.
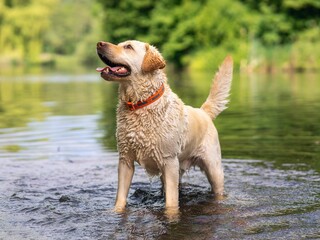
(152, 60)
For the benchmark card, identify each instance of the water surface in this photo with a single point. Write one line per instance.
(58, 162)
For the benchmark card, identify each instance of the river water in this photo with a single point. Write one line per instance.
(58, 162)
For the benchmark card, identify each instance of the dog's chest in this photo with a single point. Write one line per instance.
(150, 137)
(138, 133)
(140, 140)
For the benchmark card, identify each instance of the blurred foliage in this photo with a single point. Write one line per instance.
(200, 33)
(266, 34)
(33, 31)
(22, 24)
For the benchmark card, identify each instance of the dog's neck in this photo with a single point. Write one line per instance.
(140, 87)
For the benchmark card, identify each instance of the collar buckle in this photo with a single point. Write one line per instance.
(131, 106)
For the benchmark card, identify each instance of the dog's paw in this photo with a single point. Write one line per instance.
(119, 209)
(172, 214)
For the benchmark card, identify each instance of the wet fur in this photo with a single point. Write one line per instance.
(166, 137)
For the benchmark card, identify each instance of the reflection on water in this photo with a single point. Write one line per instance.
(58, 168)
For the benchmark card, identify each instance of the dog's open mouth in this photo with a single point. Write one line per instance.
(113, 69)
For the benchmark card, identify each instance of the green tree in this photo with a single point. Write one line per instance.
(32, 30)
(188, 32)
(175, 28)
(22, 25)
(167, 24)
(70, 22)
(126, 19)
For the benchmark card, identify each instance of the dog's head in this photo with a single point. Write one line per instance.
(128, 59)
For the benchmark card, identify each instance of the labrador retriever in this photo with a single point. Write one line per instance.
(155, 128)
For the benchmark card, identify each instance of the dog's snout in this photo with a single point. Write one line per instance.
(101, 44)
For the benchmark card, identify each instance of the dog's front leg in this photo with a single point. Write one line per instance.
(171, 183)
(125, 174)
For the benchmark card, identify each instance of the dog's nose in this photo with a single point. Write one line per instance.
(101, 44)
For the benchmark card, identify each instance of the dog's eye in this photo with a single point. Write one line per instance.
(128, 46)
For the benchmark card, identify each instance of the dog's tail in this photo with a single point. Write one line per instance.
(219, 92)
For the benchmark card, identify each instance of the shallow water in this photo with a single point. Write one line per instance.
(58, 166)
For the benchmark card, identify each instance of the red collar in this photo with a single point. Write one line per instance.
(154, 97)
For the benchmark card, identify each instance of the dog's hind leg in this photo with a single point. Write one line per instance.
(212, 166)
(214, 172)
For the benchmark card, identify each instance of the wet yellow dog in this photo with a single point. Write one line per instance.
(154, 127)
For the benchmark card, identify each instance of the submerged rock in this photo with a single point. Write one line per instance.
(64, 198)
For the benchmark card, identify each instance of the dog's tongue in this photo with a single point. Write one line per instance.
(117, 69)
(113, 69)
(100, 69)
